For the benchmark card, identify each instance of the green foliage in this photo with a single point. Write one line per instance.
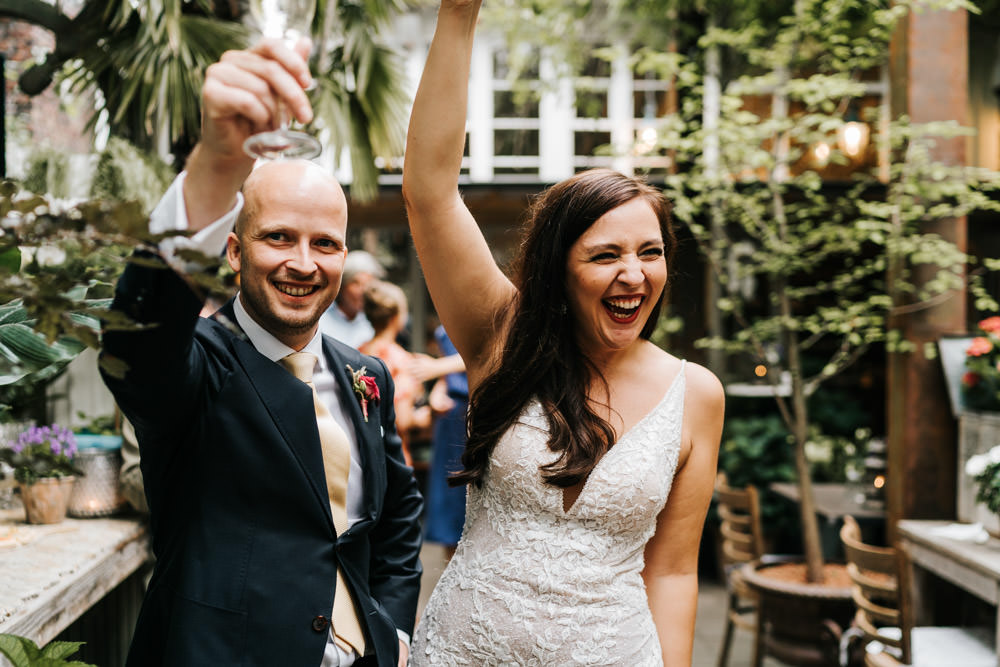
(149, 62)
(755, 450)
(47, 173)
(360, 99)
(27, 360)
(125, 173)
(985, 472)
(808, 268)
(99, 425)
(23, 652)
(73, 256)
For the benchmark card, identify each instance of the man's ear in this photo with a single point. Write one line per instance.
(233, 252)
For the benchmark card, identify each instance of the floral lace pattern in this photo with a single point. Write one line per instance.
(531, 584)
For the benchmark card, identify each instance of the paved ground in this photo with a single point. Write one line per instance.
(708, 628)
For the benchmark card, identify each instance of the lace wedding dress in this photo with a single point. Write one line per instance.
(531, 584)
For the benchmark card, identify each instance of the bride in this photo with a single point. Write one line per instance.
(591, 452)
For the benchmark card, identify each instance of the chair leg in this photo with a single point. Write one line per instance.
(727, 641)
(758, 641)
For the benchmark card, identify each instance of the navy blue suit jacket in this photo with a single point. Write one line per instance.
(246, 551)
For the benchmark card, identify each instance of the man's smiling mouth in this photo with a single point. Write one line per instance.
(292, 290)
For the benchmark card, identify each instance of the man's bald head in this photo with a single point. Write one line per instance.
(282, 177)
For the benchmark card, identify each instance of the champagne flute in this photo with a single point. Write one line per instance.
(289, 21)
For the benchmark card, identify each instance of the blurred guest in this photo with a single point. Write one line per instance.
(445, 503)
(345, 320)
(386, 308)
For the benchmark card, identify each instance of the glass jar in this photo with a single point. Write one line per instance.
(96, 492)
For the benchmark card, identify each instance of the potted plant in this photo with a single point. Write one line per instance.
(980, 386)
(979, 427)
(42, 459)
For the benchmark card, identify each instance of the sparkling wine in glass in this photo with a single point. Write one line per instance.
(289, 21)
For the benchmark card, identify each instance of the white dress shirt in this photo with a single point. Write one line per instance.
(170, 215)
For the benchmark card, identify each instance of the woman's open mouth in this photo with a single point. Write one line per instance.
(623, 309)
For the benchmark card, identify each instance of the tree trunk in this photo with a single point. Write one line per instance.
(799, 425)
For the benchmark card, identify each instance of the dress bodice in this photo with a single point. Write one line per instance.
(530, 583)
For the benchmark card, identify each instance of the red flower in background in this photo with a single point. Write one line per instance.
(970, 379)
(991, 325)
(979, 347)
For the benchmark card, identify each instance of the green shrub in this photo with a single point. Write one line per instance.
(125, 173)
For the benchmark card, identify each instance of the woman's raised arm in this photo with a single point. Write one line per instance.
(465, 283)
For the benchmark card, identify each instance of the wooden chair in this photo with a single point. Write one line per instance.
(884, 615)
(742, 542)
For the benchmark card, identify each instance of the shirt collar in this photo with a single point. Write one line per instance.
(265, 342)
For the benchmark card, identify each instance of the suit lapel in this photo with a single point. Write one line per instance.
(289, 405)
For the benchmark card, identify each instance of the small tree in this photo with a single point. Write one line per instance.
(835, 262)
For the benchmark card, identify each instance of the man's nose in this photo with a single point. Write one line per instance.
(301, 259)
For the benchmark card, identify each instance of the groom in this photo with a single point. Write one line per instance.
(284, 520)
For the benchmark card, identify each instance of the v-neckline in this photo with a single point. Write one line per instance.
(562, 492)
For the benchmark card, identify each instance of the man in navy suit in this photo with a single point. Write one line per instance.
(243, 527)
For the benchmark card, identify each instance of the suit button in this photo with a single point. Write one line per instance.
(320, 624)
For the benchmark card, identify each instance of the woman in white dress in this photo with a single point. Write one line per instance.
(591, 452)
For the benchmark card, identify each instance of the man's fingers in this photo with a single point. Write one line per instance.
(222, 101)
(294, 59)
(269, 77)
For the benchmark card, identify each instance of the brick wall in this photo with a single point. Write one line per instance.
(42, 120)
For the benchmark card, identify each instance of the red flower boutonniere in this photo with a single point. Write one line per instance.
(365, 388)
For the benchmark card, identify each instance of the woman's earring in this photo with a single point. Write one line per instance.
(563, 310)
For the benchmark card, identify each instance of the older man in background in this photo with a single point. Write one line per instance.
(345, 320)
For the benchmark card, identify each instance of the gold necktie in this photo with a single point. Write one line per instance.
(337, 466)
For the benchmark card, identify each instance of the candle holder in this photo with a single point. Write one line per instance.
(96, 493)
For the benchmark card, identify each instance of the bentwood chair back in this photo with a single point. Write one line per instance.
(741, 542)
(884, 616)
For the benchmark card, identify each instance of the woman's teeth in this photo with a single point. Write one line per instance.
(623, 307)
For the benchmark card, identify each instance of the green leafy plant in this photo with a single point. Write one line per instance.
(984, 469)
(23, 652)
(58, 263)
(41, 451)
(126, 173)
(99, 425)
(755, 451)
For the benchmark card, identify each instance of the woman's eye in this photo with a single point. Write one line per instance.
(605, 257)
(653, 252)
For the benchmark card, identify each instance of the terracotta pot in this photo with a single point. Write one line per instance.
(801, 622)
(46, 500)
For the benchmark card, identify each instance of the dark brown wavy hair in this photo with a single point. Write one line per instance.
(540, 356)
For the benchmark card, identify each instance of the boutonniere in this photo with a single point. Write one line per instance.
(365, 388)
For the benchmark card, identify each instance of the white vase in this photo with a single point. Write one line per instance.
(989, 519)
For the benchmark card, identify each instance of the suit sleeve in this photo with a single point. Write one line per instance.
(396, 538)
(163, 370)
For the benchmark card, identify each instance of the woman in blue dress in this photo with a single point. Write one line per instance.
(446, 504)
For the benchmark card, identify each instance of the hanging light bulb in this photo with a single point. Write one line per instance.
(852, 137)
(648, 137)
(821, 154)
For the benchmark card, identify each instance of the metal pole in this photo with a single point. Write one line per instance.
(3, 116)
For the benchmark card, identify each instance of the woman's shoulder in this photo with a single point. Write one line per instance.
(699, 382)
